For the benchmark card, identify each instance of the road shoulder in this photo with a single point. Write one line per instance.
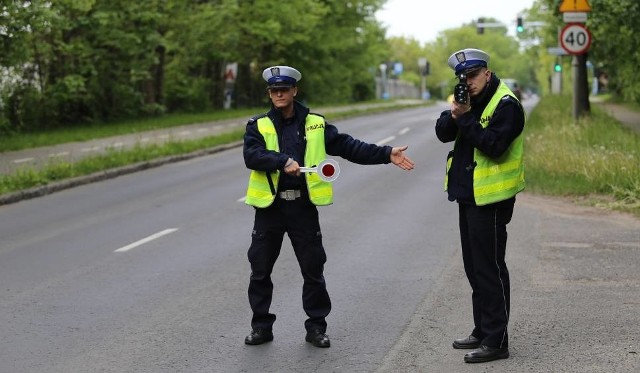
(574, 297)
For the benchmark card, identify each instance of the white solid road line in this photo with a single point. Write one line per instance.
(145, 240)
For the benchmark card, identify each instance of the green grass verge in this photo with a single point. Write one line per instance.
(594, 160)
(58, 171)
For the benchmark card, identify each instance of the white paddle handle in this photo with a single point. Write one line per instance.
(328, 166)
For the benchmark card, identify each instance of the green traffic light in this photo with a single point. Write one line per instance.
(519, 24)
(557, 68)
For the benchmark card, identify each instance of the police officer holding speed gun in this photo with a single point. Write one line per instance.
(485, 171)
(284, 149)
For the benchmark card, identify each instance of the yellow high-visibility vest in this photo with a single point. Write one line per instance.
(320, 192)
(496, 179)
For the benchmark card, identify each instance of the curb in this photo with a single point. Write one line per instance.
(43, 190)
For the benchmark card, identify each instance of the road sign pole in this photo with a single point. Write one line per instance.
(581, 104)
(576, 39)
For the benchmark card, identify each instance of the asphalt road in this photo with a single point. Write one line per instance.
(82, 293)
(147, 272)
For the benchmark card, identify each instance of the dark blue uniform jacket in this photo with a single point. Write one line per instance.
(292, 142)
(505, 125)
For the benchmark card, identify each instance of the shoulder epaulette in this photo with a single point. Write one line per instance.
(255, 118)
(509, 98)
(320, 115)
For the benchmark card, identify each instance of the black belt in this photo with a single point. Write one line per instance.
(290, 194)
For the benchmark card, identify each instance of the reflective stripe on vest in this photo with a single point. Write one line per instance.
(498, 179)
(258, 192)
(320, 192)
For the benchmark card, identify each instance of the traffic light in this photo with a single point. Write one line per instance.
(480, 26)
(519, 24)
(557, 67)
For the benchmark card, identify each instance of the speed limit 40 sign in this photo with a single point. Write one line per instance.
(575, 38)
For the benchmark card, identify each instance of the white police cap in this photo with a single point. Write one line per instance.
(281, 76)
(468, 59)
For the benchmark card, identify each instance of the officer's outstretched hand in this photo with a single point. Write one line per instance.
(399, 159)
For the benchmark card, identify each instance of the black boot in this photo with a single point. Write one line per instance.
(464, 343)
(486, 353)
(259, 336)
(318, 338)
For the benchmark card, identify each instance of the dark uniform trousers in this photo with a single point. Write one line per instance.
(299, 219)
(483, 234)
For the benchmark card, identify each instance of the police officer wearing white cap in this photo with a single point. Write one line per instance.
(276, 145)
(485, 171)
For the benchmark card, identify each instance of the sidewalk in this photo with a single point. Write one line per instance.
(623, 114)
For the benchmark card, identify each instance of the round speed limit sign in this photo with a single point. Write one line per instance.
(575, 38)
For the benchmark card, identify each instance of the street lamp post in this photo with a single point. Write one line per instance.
(383, 77)
(422, 64)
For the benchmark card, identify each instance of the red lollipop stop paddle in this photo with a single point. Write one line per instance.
(328, 170)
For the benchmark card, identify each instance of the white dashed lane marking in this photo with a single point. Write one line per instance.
(145, 240)
(385, 140)
(22, 160)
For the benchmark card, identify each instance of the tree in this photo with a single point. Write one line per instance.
(506, 58)
(407, 51)
(66, 62)
(614, 25)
